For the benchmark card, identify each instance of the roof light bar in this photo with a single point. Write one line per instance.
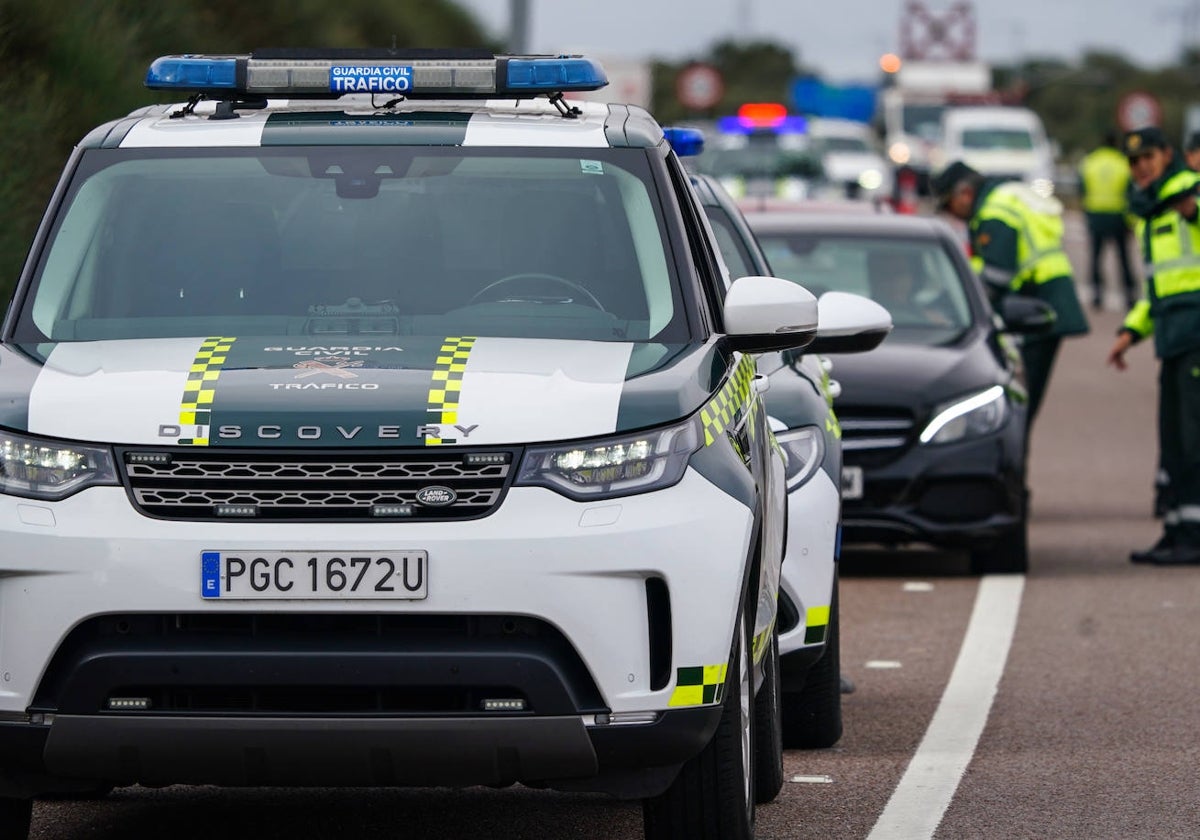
(307, 75)
(686, 142)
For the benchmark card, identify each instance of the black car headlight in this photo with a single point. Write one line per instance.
(974, 416)
(45, 469)
(803, 450)
(618, 466)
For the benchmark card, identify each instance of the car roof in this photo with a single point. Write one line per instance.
(354, 117)
(853, 224)
(990, 115)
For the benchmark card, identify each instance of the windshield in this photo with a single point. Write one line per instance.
(915, 280)
(357, 240)
(762, 157)
(843, 144)
(923, 120)
(1015, 139)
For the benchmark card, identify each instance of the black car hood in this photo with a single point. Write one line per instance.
(916, 376)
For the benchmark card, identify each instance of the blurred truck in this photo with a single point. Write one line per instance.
(911, 108)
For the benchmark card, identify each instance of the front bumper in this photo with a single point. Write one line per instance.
(960, 495)
(809, 569)
(586, 611)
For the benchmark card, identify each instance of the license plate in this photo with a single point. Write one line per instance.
(314, 575)
(852, 482)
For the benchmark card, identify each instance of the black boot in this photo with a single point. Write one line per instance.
(1150, 555)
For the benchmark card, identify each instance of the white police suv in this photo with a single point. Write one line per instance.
(388, 419)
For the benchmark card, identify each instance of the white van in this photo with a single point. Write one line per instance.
(999, 141)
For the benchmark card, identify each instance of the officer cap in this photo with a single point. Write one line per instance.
(1143, 140)
(943, 184)
(1193, 141)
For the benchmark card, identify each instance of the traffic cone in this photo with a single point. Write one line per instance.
(906, 190)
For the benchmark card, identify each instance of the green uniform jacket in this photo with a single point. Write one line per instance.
(1171, 250)
(1017, 245)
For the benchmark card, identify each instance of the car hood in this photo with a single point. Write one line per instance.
(915, 376)
(1007, 162)
(390, 391)
(847, 166)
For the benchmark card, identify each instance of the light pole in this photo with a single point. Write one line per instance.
(518, 27)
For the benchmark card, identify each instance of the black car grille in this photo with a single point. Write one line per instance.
(875, 430)
(297, 485)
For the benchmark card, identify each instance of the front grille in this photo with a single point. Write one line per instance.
(306, 485)
(316, 664)
(875, 430)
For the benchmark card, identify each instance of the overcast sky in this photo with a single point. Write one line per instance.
(843, 39)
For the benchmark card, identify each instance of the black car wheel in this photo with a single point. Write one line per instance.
(15, 817)
(768, 729)
(712, 798)
(812, 717)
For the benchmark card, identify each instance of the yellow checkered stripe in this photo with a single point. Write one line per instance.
(699, 685)
(725, 409)
(446, 386)
(195, 410)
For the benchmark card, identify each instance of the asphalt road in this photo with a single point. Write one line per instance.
(1094, 731)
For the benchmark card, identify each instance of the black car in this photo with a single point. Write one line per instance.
(933, 421)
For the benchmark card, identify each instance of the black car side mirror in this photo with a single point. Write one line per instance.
(1026, 315)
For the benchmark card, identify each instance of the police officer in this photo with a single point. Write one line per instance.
(1016, 246)
(1191, 151)
(1169, 233)
(1104, 179)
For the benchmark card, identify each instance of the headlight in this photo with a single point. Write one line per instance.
(43, 469)
(803, 451)
(899, 153)
(870, 179)
(613, 467)
(980, 414)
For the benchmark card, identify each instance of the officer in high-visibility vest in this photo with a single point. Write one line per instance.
(1169, 234)
(1016, 246)
(1104, 181)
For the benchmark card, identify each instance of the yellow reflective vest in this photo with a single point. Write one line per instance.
(1171, 250)
(1105, 176)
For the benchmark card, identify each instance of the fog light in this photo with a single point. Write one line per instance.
(129, 704)
(504, 705)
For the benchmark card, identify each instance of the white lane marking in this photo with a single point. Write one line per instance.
(918, 586)
(812, 780)
(881, 664)
(919, 802)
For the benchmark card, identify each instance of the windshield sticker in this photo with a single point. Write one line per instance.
(591, 167)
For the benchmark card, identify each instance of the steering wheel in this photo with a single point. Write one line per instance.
(536, 277)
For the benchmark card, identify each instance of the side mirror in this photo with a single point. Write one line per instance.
(763, 314)
(1026, 315)
(849, 324)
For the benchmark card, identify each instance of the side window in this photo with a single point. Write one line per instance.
(732, 248)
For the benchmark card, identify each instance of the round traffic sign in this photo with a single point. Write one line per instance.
(1138, 110)
(699, 86)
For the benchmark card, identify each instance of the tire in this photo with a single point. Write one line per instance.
(712, 798)
(812, 717)
(15, 817)
(768, 729)
(1010, 553)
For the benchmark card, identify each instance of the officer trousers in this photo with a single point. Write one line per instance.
(1037, 355)
(1179, 432)
(1110, 227)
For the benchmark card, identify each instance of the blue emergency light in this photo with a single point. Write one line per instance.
(687, 142)
(424, 73)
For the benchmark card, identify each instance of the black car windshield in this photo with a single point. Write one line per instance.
(355, 240)
(916, 280)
